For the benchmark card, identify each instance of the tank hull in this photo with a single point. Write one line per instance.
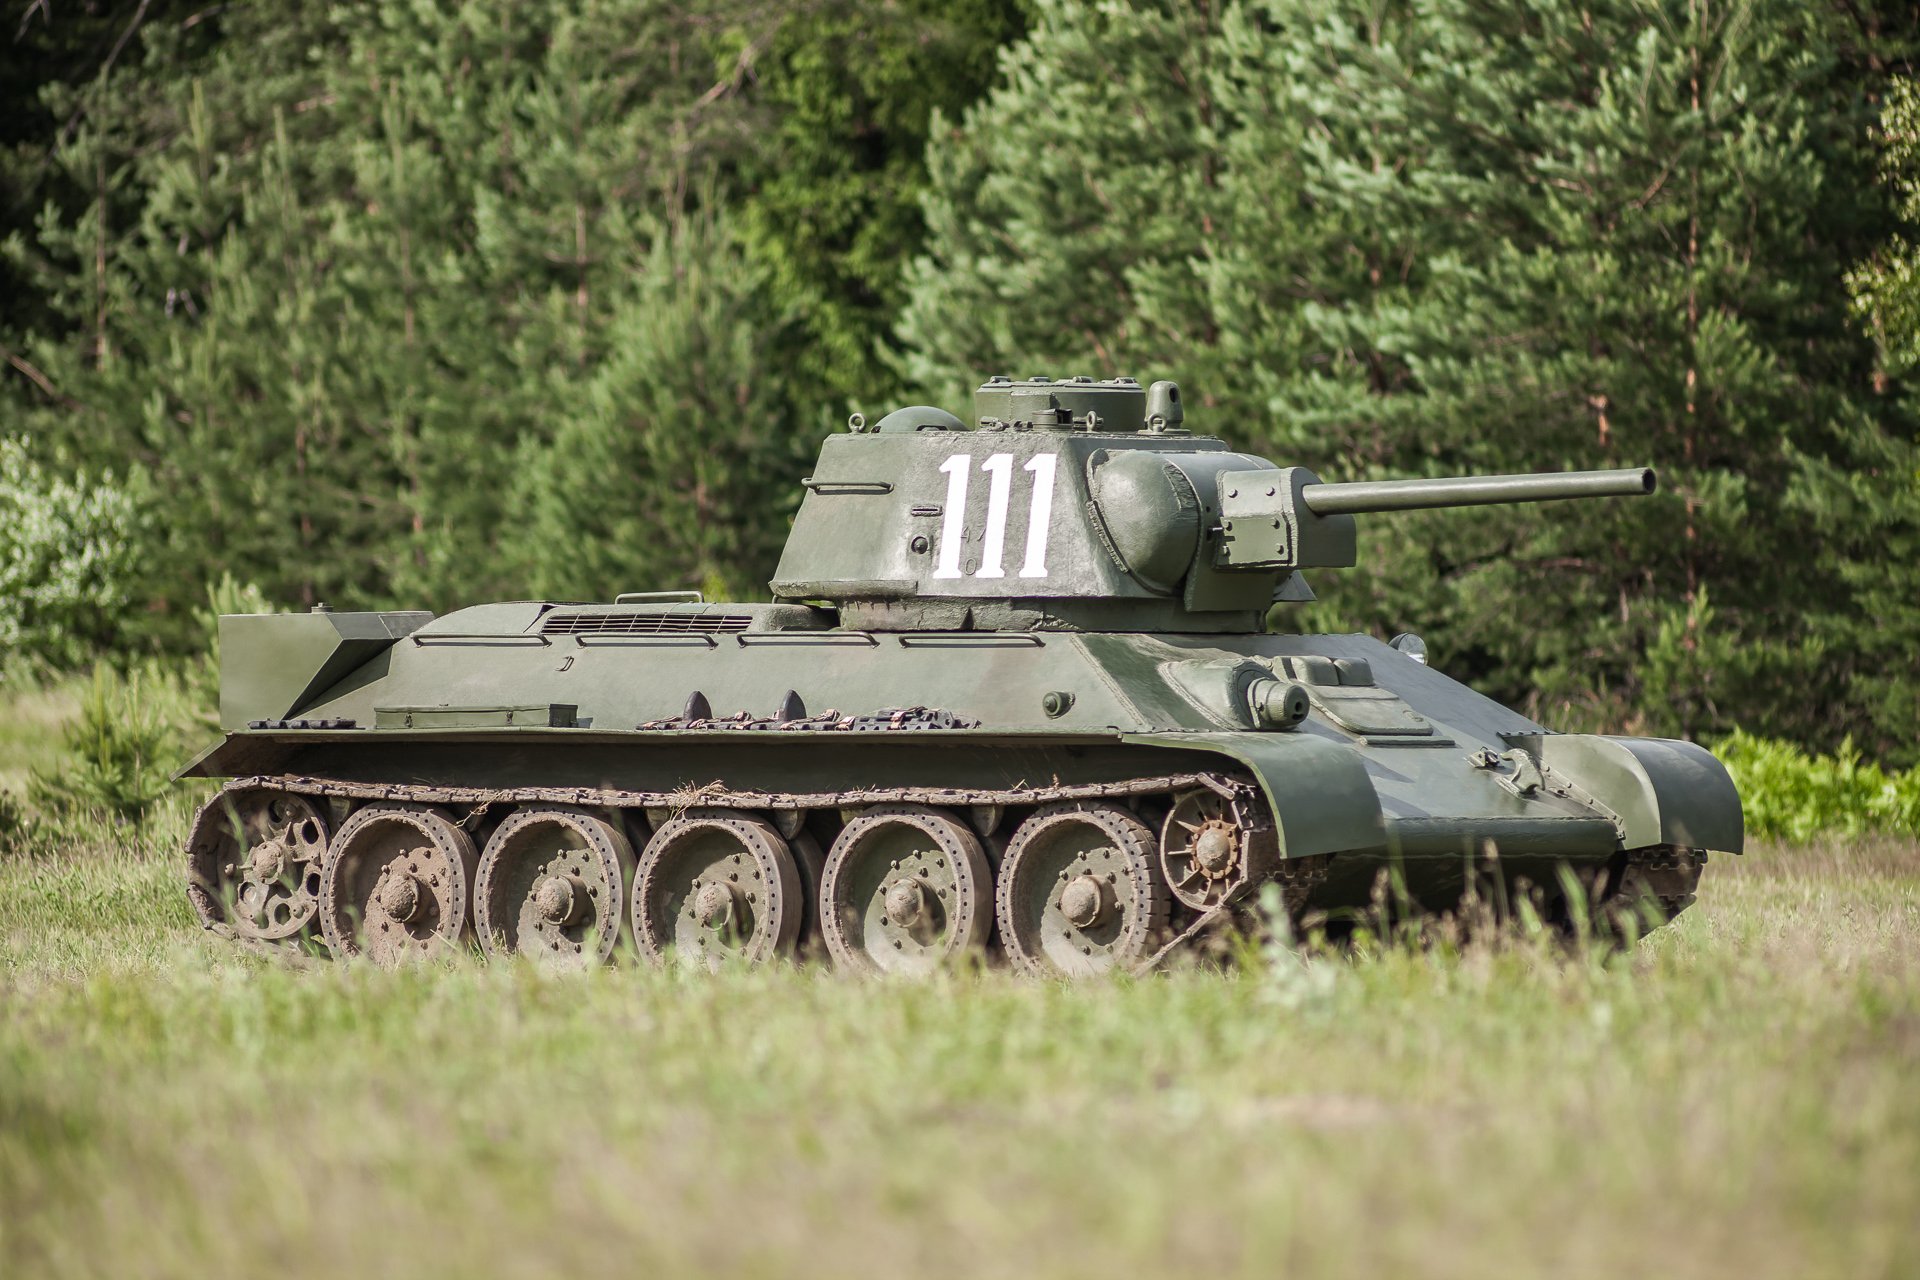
(1399, 787)
(1016, 693)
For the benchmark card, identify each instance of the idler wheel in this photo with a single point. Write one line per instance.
(1080, 891)
(394, 887)
(906, 890)
(552, 887)
(714, 885)
(1213, 848)
(254, 863)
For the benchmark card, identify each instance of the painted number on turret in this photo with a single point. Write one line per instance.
(993, 543)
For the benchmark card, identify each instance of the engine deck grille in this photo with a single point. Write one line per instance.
(637, 623)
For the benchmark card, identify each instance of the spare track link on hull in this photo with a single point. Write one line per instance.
(714, 795)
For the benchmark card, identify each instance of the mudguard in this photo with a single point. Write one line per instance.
(1665, 792)
(1320, 794)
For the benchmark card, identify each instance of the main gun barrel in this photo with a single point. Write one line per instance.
(1361, 496)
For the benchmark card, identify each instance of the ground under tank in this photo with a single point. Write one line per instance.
(1015, 695)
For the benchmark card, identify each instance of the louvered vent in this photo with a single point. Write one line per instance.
(643, 624)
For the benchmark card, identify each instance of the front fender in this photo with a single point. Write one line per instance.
(1322, 799)
(1666, 792)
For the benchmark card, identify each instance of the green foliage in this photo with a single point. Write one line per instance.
(831, 207)
(1880, 492)
(1427, 239)
(376, 247)
(1792, 794)
(20, 828)
(70, 569)
(118, 755)
(416, 305)
(656, 474)
(336, 277)
(229, 595)
(57, 65)
(1733, 1099)
(1887, 288)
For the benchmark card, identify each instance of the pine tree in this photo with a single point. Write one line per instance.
(374, 249)
(339, 276)
(1887, 288)
(1879, 492)
(1462, 237)
(1066, 211)
(61, 67)
(830, 207)
(666, 465)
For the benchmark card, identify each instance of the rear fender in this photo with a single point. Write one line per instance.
(273, 664)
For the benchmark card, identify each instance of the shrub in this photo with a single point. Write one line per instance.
(119, 753)
(69, 559)
(1792, 794)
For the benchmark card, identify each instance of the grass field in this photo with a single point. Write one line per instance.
(1737, 1097)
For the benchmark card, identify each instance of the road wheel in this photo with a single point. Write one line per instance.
(553, 887)
(906, 890)
(714, 885)
(395, 884)
(254, 862)
(1080, 891)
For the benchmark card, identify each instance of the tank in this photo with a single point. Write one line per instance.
(1015, 695)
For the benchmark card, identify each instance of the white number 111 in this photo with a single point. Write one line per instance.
(953, 524)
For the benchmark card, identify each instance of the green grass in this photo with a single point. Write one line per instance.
(1734, 1098)
(34, 715)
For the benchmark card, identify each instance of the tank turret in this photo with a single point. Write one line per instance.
(1088, 505)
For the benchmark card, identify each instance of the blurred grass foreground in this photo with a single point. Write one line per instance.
(1734, 1097)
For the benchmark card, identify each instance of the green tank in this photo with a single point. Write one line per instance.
(1015, 694)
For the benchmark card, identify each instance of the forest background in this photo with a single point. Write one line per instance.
(415, 304)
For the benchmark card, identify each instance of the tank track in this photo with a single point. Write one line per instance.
(1065, 878)
(1665, 874)
(1047, 869)
(717, 795)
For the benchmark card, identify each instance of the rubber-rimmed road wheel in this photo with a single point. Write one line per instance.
(714, 885)
(1080, 891)
(553, 887)
(394, 886)
(906, 890)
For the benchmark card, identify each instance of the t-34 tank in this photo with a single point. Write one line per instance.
(1015, 692)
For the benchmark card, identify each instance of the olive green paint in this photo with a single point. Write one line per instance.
(1073, 572)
